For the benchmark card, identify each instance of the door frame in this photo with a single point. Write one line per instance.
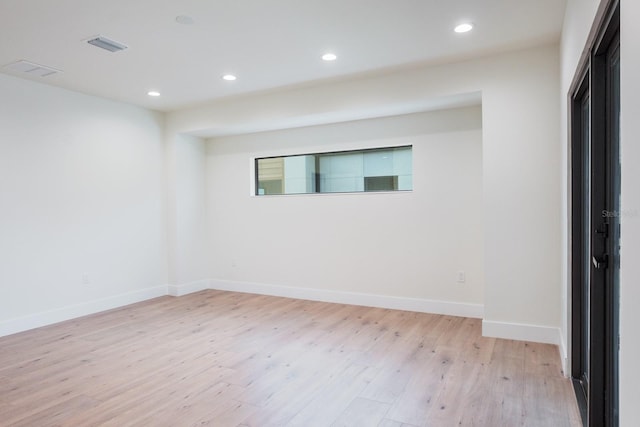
(599, 400)
(577, 241)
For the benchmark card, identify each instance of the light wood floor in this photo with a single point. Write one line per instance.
(231, 359)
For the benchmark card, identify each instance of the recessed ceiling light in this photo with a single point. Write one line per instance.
(329, 57)
(184, 20)
(463, 28)
(229, 77)
(153, 93)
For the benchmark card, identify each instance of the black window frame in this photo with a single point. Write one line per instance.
(317, 176)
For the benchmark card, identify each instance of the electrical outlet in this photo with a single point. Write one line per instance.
(462, 277)
(85, 279)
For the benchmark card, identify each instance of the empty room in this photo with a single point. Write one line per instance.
(407, 213)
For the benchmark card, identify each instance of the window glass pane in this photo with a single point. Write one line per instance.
(386, 169)
(403, 168)
(271, 175)
(299, 174)
(341, 173)
(380, 183)
(378, 163)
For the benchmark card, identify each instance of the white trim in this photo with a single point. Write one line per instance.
(515, 331)
(188, 288)
(564, 354)
(521, 332)
(370, 300)
(20, 324)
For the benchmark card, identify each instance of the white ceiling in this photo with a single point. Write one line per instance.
(267, 44)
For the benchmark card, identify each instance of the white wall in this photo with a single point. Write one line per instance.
(521, 176)
(404, 244)
(187, 223)
(630, 244)
(81, 200)
(521, 164)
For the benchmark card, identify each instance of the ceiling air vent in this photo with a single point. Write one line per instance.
(105, 43)
(31, 68)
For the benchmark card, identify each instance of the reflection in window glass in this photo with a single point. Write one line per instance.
(384, 169)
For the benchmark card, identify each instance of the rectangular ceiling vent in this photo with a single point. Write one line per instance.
(107, 44)
(31, 68)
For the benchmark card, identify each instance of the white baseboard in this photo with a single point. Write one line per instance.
(20, 324)
(564, 354)
(188, 288)
(341, 297)
(521, 332)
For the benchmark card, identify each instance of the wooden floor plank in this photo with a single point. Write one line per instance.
(51, 415)
(232, 359)
(393, 423)
(419, 396)
(362, 413)
(332, 399)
